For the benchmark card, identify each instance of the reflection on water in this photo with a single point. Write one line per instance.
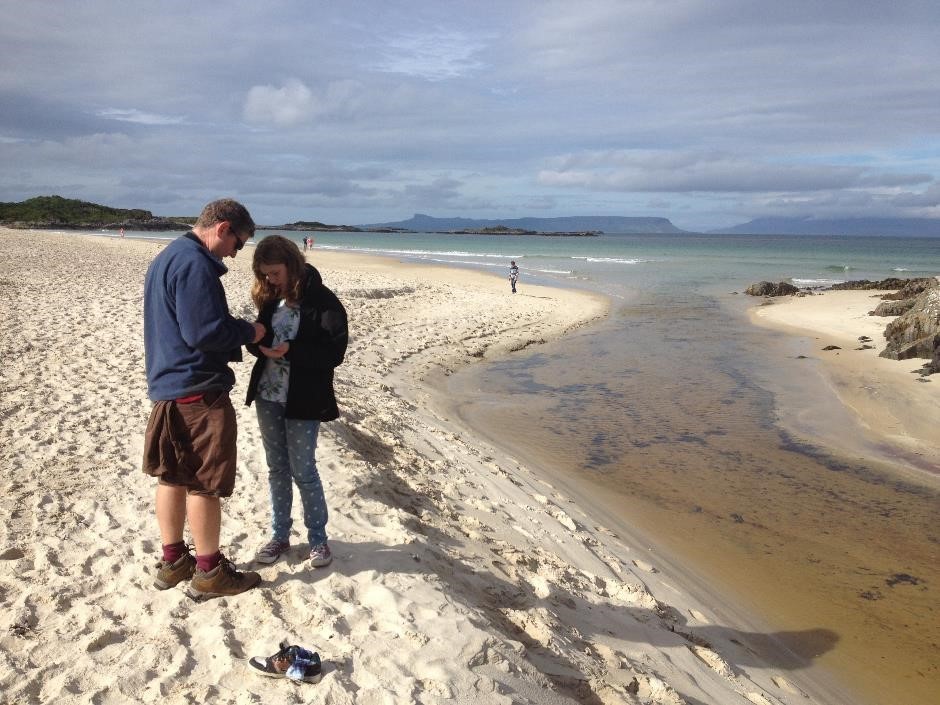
(657, 413)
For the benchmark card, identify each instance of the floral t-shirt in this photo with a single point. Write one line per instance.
(274, 378)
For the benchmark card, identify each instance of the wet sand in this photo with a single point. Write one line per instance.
(837, 551)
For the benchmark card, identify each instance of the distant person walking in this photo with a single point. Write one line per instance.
(189, 339)
(306, 243)
(292, 386)
(513, 275)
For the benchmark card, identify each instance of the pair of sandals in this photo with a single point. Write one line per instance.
(292, 661)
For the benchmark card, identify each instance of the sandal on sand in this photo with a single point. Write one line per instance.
(292, 661)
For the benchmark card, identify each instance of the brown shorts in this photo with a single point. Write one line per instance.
(193, 445)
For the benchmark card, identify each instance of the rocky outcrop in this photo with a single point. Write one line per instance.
(890, 283)
(893, 308)
(917, 332)
(903, 300)
(771, 289)
(912, 288)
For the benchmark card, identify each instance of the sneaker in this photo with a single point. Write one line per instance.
(294, 662)
(172, 574)
(320, 555)
(271, 551)
(221, 581)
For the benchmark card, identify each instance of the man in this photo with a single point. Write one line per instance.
(189, 339)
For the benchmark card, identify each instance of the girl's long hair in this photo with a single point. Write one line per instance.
(275, 249)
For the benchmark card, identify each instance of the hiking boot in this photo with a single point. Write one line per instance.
(320, 555)
(271, 551)
(221, 581)
(172, 574)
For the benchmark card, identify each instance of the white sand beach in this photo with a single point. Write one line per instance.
(460, 576)
(896, 412)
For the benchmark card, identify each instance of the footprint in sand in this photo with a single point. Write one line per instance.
(12, 554)
(105, 639)
(643, 565)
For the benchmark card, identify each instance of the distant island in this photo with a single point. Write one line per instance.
(66, 213)
(569, 225)
(505, 230)
(312, 226)
(71, 214)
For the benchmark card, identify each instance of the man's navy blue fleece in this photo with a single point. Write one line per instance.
(189, 334)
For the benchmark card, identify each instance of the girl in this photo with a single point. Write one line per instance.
(292, 386)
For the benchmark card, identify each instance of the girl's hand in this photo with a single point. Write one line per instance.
(277, 352)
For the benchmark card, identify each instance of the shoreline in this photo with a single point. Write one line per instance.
(895, 414)
(445, 545)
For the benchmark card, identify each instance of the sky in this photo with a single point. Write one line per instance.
(706, 112)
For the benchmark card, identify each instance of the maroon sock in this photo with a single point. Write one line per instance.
(172, 552)
(207, 563)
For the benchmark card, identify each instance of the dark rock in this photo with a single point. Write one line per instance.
(832, 347)
(884, 284)
(917, 332)
(771, 289)
(893, 308)
(912, 288)
(902, 579)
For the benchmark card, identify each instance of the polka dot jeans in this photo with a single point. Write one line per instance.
(290, 446)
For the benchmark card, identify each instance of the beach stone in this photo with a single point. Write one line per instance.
(917, 332)
(771, 289)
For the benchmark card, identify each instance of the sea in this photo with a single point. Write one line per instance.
(679, 418)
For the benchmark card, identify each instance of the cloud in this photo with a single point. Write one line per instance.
(679, 172)
(293, 103)
(139, 117)
(925, 199)
(434, 56)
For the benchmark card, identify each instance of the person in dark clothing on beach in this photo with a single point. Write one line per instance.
(292, 387)
(189, 339)
(513, 275)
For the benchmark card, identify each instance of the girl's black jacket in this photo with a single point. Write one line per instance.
(320, 345)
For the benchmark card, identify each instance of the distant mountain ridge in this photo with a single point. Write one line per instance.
(420, 222)
(896, 227)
